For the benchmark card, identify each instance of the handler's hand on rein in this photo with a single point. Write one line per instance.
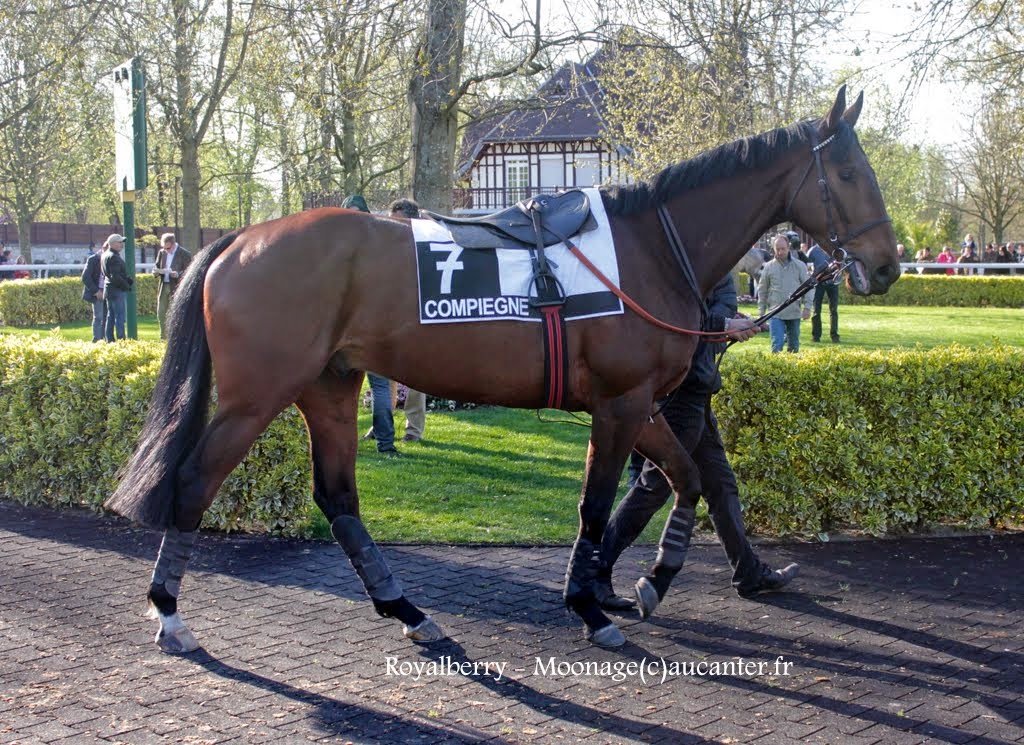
(740, 329)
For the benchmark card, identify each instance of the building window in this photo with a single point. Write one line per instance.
(552, 173)
(588, 170)
(517, 179)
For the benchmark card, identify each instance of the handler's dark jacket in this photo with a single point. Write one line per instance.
(704, 376)
(116, 271)
(91, 278)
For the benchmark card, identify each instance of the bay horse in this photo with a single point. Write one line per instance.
(296, 309)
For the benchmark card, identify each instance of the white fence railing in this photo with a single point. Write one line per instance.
(43, 270)
(919, 267)
(979, 268)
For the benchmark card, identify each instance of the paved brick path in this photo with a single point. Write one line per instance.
(918, 640)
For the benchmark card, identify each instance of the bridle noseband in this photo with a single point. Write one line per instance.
(839, 254)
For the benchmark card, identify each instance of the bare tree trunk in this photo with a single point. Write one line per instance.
(349, 156)
(284, 148)
(323, 156)
(24, 238)
(434, 114)
(191, 237)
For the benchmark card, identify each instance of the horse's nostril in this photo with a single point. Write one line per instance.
(886, 272)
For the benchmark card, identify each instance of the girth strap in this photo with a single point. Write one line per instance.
(556, 356)
(550, 300)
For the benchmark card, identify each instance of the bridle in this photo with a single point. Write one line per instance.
(839, 254)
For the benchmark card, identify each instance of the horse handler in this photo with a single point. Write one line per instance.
(688, 412)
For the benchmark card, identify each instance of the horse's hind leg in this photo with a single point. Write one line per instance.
(329, 406)
(225, 441)
(680, 474)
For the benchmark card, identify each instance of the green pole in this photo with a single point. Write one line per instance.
(128, 201)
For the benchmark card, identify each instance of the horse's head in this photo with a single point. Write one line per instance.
(837, 200)
(751, 263)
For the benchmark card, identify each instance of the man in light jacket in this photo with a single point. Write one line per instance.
(779, 279)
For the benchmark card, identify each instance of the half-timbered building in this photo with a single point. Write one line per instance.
(555, 141)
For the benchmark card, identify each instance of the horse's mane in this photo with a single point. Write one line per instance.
(745, 154)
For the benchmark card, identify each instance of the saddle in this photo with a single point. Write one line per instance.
(563, 214)
(531, 225)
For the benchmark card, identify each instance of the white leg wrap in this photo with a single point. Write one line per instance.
(175, 551)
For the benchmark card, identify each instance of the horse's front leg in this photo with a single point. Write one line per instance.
(616, 424)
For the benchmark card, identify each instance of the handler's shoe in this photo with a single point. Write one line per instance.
(606, 597)
(772, 580)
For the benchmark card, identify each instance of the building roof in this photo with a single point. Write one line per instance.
(568, 107)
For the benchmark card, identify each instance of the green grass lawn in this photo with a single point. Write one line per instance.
(861, 327)
(885, 327)
(82, 330)
(501, 475)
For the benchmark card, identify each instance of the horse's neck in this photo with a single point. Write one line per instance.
(720, 221)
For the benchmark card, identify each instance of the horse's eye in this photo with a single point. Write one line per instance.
(846, 174)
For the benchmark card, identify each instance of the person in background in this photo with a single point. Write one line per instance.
(924, 256)
(415, 401)
(171, 262)
(93, 279)
(968, 256)
(779, 279)
(116, 287)
(1003, 256)
(23, 273)
(901, 256)
(383, 429)
(5, 258)
(946, 256)
(821, 260)
(798, 248)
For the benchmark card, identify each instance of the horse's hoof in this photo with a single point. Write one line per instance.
(606, 636)
(424, 632)
(174, 636)
(647, 599)
(177, 642)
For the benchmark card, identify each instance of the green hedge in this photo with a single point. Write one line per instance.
(37, 302)
(947, 291)
(878, 441)
(70, 413)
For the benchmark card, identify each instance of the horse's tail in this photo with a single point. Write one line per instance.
(179, 406)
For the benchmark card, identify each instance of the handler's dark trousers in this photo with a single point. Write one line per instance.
(685, 414)
(826, 288)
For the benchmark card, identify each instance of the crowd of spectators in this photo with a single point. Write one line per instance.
(1007, 253)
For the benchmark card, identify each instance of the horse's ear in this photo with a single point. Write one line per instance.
(851, 114)
(837, 109)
